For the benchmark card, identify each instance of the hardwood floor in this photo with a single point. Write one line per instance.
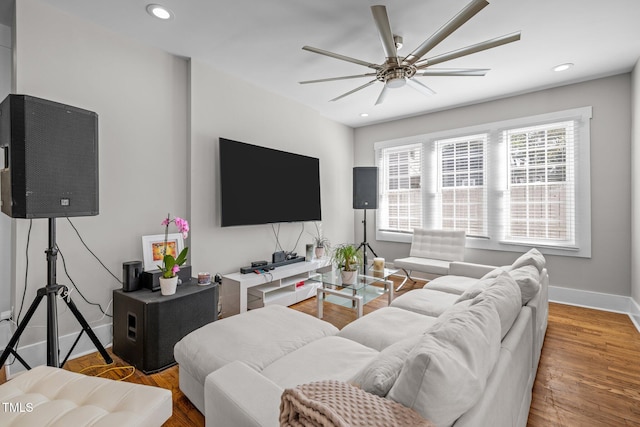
(589, 372)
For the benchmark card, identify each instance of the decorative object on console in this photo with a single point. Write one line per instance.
(378, 264)
(171, 264)
(322, 243)
(348, 259)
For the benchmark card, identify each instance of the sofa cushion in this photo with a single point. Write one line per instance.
(445, 374)
(433, 266)
(379, 375)
(257, 337)
(528, 279)
(505, 295)
(385, 326)
(329, 358)
(452, 284)
(476, 289)
(425, 301)
(532, 257)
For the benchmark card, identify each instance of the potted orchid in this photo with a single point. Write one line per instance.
(170, 264)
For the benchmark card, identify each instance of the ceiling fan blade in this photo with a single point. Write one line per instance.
(499, 41)
(423, 89)
(382, 96)
(456, 22)
(341, 57)
(384, 29)
(354, 90)
(331, 79)
(453, 72)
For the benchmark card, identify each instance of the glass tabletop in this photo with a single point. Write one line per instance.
(334, 277)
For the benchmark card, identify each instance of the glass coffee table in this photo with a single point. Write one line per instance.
(367, 287)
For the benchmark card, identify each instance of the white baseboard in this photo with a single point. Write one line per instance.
(598, 301)
(36, 354)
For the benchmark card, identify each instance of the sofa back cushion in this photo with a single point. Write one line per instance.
(381, 373)
(532, 257)
(446, 372)
(504, 293)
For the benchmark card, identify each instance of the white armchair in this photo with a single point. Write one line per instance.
(431, 252)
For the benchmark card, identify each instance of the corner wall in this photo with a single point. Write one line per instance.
(609, 269)
(635, 187)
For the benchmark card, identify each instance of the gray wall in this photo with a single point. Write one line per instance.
(609, 269)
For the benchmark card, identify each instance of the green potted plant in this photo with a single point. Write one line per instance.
(348, 259)
(170, 264)
(320, 242)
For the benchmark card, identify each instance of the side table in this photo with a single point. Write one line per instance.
(147, 324)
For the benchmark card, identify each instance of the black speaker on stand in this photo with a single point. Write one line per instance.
(365, 196)
(50, 170)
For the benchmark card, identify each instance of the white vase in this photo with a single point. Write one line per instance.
(168, 286)
(319, 251)
(349, 277)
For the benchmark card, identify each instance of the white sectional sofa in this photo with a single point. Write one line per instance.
(462, 351)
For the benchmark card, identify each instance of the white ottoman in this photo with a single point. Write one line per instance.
(47, 396)
(257, 338)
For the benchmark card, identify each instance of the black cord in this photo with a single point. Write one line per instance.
(64, 266)
(91, 252)
(26, 271)
(299, 236)
(277, 235)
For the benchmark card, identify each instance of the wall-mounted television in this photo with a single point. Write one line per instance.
(262, 185)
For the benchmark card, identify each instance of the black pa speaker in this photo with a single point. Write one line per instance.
(50, 159)
(365, 187)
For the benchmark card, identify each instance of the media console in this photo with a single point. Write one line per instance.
(285, 285)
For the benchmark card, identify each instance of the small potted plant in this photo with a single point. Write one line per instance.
(321, 243)
(170, 264)
(348, 259)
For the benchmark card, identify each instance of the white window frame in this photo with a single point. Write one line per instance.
(497, 182)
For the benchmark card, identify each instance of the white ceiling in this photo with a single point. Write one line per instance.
(260, 41)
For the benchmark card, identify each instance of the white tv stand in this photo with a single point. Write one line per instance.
(240, 292)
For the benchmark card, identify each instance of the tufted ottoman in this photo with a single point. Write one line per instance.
(47, 396)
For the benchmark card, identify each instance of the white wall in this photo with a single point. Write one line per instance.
(609, 269)
(160, 118)
(635, 185)
(140, 95)
(223, 106)
(5, 221)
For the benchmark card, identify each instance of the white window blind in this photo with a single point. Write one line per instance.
(400, 177)
(540, 199)
(462, 191)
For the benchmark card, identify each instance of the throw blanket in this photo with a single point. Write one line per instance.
(338, 404)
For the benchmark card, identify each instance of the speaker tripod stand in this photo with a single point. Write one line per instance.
(365, 245)
(51, 291)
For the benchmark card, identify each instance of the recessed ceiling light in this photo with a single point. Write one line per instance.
(159, 12)
(364, 114)
(563, 67)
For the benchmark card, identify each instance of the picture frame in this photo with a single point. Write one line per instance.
(153, 245)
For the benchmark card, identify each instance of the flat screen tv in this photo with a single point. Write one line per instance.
(262, 185)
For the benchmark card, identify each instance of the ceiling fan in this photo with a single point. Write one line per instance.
(397, 71)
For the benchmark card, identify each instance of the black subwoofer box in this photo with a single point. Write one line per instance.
(51, 159)
(146, 324)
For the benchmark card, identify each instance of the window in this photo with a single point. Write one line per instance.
(400, 184)
(540, 198)
(462, 192)
(519, 182)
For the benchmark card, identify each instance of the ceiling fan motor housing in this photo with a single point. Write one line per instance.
(394, 75)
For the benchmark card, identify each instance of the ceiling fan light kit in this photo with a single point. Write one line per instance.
(397, 71)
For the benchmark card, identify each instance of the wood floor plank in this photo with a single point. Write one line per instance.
(589, 372)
